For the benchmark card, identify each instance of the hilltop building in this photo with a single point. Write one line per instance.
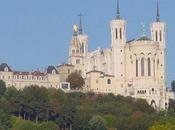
(135, 68)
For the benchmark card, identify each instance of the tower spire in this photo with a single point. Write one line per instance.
(158, 12)
(80, 24)
(118, 10)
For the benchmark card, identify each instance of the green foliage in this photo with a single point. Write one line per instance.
(4, 120)
(76, 80)
(111, 120)
(19, 124)
(167, 126)
(97, 123)
(2, 87)
(48, 126)
(173, 85)
(36, 102)
(39, 108)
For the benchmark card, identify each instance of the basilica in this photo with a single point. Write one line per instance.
(135, 68)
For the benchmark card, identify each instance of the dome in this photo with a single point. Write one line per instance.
(5, 67)
(144, 38)
(52, 70)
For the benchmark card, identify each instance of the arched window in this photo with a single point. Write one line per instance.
(73, 51)
(82, 47)
(158, 64)
(116, 33)
(160, 35)
(156, 36)
(136, 68)
(6, 69)
(53, 71)
(120, 33)
(109, 81)
(77, 51)
(153, 103)
(142, 67)
(149, 67)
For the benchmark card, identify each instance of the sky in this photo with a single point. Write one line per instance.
(37, 33)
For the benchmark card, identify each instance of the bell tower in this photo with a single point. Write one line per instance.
(78, 48)
(158, 35)
(118, 42)
(158, 29)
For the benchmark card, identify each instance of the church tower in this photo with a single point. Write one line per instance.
(158, 32)
(118, 38)
(78, 48)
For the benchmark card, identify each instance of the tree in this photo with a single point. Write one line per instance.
(37, 101)
(76, 80)
(111, 120)
(171, 108)
(97, 123)
(173, 85)
(4, 120)
(2, 87)
(166, 126)
(15, 100)
(47, 126)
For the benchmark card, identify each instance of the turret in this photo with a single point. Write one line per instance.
(118, 41)
(118, 29)
(78, 48)
(158, 29)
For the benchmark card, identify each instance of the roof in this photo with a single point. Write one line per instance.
(144, 38)
(94, 71)
(3, 66)
(35, 73)
(69, 65)
(50, 69)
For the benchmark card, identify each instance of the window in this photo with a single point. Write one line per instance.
(120, 33)
(6, 69)
(78, 61)
(142, 67)
(136, 68)
(68, 71)
(149, 67)
(53, 71)
(73, 51)
(82, 47)
(109, 81)
(116, 33)
(156, 36)
(77, 51)
(158, 64)
(160, 35)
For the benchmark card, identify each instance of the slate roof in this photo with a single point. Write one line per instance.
(50, 69)
(3, 66)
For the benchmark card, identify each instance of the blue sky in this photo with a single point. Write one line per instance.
(37, 33)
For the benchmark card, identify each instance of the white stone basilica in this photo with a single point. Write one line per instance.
(134, 68)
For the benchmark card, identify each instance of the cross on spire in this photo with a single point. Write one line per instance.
(118, 10)
(158, 12)
(80, 24)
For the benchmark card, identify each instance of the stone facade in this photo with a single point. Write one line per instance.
(21, 79)
(134, 68)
